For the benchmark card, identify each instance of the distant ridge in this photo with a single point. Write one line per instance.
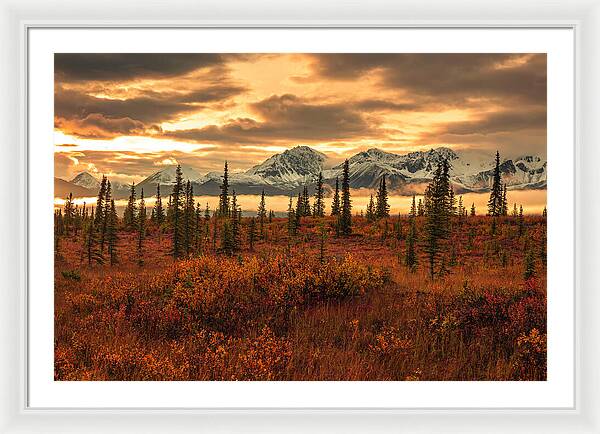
(288, 172)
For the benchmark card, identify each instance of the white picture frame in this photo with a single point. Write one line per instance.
(19, 17)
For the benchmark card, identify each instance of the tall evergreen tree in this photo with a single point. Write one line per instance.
(262, 214)
(68, 214)
(420, 209)
(299, 212)
(224, 196)
(319, 205)
(291, 215)
(473, 209)
(105, 215)
(461, 209)
(451, 201)
(130, 214)
(227, 243)
(371, 213)
(159, 213)
(112, 237)
(410, 258)
(383, 207)
(91, 244)
(335, 205)
(99, 217)
(198, 230)
(235, 223)
(189, 218)
(413, 208)
(346, 211)
(177, 203)
(521, 222)
(306, 212)
(437, 225)
(495, 201)
(141, 229)
(504, 205)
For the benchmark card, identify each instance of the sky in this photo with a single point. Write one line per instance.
(129, 115)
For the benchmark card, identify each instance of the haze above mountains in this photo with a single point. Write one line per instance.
(288, 172)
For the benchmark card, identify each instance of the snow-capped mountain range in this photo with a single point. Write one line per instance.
(290, 171)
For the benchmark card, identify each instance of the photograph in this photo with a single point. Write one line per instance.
(300, 216)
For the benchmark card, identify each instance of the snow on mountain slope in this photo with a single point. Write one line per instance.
(291, 168)
(86, 180)
(167, 175)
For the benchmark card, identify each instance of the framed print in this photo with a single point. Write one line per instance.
(328, 224)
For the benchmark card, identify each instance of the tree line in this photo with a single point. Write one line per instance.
(194, 229)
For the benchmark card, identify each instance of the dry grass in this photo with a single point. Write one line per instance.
(277, 313)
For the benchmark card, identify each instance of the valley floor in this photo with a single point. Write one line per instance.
(309, 307)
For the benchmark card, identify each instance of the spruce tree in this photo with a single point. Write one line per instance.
(206, 213)
(159, 213)
(319, 205)
(100, 206)
(227, 243)
(105, 214)
(291, 223)
(420, 208)
(130, 214)
(521, 222)
(262, 214)
(198, 230)
(299, 206)
(410, 258)
(437, 225)
(335, 205)
(177, 203)
(112, 236)
(141, 229)
(224, 196)
(306, 212)
(504, 207)
(461, 209)
(68, 214)
(473, 209)
(346, 211)
(370, 214)
(495, 201)
(451, 201)
(189, 217)
(545, 212)
(91, 244)
(382, 209)
(235, 223)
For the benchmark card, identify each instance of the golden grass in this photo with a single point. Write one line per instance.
(278, 313)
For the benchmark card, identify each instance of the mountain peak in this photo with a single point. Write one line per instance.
(292, 167)
(167, 175)
(86, 180)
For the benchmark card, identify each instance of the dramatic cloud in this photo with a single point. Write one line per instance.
(80, 114)
(445, 76)
(129, 66)
(130, 114)
(285, 117)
